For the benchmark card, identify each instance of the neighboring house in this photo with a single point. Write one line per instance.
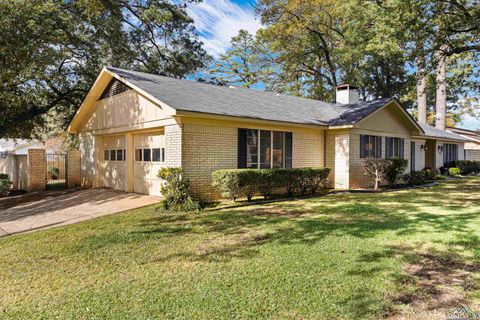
(13, 160)
(131, 124)
(472, 146)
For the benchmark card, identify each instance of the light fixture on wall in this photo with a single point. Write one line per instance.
(440, 149)
(423, 147)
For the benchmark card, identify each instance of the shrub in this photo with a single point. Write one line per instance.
(248, 182)
(415, 178)
(454, 171)
(429, 174)
(375, 169)
(311, 179)
(394, 169)
(5, 184)
(468, 167)
(443, 170)
(54, 173)
(176, 191)
(228, 183)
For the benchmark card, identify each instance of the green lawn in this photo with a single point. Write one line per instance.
(350, 256)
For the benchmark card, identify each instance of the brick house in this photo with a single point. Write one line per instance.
(131, 124)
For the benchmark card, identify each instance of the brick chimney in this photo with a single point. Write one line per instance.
(347, 94)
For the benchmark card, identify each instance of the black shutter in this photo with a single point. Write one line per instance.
(402, 148)
(242, 148)
(362, 146)
(388, 147)
(288, 149)
(379, 147)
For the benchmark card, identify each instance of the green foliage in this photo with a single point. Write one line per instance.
(51, 52)
(5, 184)
(395, 168)
(243, 64)
(176, 191)
(415, 178)
(234, 183)
(54, 172)
(228, 183)
(468, 167)
(454, 171)
(429, 173)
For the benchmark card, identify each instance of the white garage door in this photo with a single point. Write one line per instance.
(149, 158)
(114, 162)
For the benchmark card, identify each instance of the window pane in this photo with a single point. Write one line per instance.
(113, 155)
(120, 155)
(106, 155)
(138, 154)
(163, 154)
(278, 152)
(265, 149)
(156, 154)
(252, 149)
(147, 155)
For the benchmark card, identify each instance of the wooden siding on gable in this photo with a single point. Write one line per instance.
(125, 109)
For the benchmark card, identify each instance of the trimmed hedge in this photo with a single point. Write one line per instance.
(416, 178)
(394, 170)
(454, 171)
(236, 183)
(468, 166)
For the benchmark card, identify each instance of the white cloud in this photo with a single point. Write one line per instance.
(469, 122)
(219, 20)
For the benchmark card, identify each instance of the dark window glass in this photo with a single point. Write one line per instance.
(120, 155)
(147, 155)
(138, 154)
(106, 155)
(394, 148)
(265, 149)
(370, 146)
(163, 154)
(156, 155)
(278, 149)
(450, 153)
(252, 148)
(113, 155)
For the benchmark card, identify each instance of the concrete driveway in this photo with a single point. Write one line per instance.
(67, 208)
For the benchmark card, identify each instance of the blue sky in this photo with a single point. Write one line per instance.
(219, 20)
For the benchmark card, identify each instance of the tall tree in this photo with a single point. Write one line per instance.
(242, 64)
(51, 51)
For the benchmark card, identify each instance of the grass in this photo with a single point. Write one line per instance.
(346, 256)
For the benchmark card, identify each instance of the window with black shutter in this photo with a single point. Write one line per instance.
(394, 147)
(370, 146)
(264, 149)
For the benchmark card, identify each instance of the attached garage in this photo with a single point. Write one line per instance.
(114, 167)
(149, 158)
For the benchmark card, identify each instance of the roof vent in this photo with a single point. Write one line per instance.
(347, 94)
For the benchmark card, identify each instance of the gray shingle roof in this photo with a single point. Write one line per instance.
(437, 133)
(194, 96)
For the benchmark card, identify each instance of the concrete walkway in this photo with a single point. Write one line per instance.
(68, 208)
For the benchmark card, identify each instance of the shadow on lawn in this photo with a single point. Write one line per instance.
(239, 234)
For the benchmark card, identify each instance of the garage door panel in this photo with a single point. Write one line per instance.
(114, 170)
(145, 172)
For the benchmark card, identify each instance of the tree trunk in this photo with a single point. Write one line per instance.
(421, 91)
(441, 94)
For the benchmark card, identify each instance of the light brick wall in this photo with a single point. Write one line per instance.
(210, 147)
(73, 169)
(173, 146)
(206, 149)
(36, 170)
(358, 179)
